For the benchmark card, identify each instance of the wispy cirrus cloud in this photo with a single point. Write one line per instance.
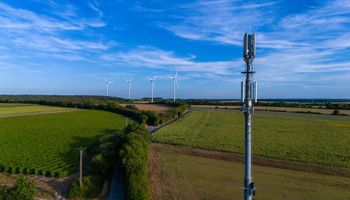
(25, 30)
(155, 58)
(291, 46)
(17, 18)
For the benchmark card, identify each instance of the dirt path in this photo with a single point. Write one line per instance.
(262, 161)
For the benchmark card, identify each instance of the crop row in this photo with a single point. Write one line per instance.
(289, 137)
(45, 144)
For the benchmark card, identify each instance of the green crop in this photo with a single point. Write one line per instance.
(7, 109)
(322, 141)
(45, 144)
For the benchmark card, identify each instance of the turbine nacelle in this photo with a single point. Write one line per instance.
(152, 78)
(107, 82)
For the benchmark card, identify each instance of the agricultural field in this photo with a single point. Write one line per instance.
(153, 107)
(313, 139)
(175, 175)
(280, 109)
(45, 144)
(12, 109)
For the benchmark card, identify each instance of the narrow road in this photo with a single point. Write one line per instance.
(117, 191)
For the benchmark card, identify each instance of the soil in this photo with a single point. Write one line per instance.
(153, 107)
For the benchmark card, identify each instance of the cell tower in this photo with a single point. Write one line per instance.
(248, 97)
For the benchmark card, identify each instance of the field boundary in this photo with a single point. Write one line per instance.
(258, 160)
(153, 129)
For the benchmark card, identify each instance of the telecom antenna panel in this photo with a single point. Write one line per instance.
(249, 94)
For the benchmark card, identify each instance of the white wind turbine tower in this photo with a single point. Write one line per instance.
(152, 79)
(175, 83)
(107, 85)
(129, 84)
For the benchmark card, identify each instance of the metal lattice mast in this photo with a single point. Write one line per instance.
(249, 92)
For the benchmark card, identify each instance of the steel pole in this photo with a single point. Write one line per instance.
(81, 168)
(248, 135)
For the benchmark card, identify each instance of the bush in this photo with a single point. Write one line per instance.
(2, 193)
(23, 189)
(336, 112)
(152, 117)
(100, 166)
(108, 149)
(91, 188)
(131, 107)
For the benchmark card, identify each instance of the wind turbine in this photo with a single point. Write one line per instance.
(174, 78)
(129, 83)
(107, 85)
(152, 79)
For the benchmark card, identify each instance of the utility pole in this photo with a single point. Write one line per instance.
(81, 149)
(248, 97)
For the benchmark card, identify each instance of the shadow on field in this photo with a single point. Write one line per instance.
(71, 159)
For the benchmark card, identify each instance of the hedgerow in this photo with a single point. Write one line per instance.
(134, 158)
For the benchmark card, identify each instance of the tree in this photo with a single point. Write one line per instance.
(336, 112)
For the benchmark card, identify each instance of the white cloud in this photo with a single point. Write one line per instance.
(155, 58)
(290, 48)
(26, 30)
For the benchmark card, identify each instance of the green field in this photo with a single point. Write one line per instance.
(13, 104)
(45, 144)
(12, 109)
(180, 176)
(315, 140)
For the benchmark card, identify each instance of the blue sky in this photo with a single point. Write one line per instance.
(69, 47)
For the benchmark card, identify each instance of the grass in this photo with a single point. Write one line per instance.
(45, 144)
(9, 109)
(13, 104)
(179, 176)
(316, 140)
